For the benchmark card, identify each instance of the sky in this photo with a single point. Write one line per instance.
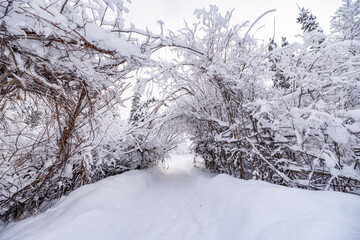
(146, 13)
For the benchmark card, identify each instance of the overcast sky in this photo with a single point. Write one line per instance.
(172, 12)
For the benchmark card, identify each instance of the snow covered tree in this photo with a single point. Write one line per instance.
(279, 78)
(139, 109)
(313, 34)
(312, 123)
(62, 71)
(308, 21)
(346, 20)
(134, 112)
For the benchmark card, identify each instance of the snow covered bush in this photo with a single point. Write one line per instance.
(314, 123)
(62, 68)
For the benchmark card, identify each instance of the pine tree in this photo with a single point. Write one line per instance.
(308, 21)
(135, 106)
(139, 109)
(280, 80)
(313, 34)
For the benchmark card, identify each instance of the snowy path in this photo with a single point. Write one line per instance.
(175, 213)
(182, 203)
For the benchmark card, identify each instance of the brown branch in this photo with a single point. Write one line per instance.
(63, 6)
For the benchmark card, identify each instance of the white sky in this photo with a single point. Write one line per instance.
(172, 12)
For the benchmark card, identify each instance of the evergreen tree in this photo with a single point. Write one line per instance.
(313, 34)
(279, 79)
(139, 109)
(134, 112)
(308, 21)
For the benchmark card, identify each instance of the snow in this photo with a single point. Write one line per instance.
(177, 201)
(339, 134)
(353, 114)
(106, 40)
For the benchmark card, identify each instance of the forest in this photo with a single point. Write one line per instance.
(282, 112)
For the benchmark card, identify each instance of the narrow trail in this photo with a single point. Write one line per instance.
(178, 202)
(172, 207)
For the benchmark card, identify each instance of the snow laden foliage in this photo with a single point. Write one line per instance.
(303, 132)
(315, 122)
(62, 71)
(346, 21)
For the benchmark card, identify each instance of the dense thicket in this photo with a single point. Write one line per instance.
(288, 115)
(63, 66)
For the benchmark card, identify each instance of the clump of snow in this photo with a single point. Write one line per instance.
(176, 201)
(106, 40)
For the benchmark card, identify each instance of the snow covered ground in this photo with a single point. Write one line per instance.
(176, 201)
